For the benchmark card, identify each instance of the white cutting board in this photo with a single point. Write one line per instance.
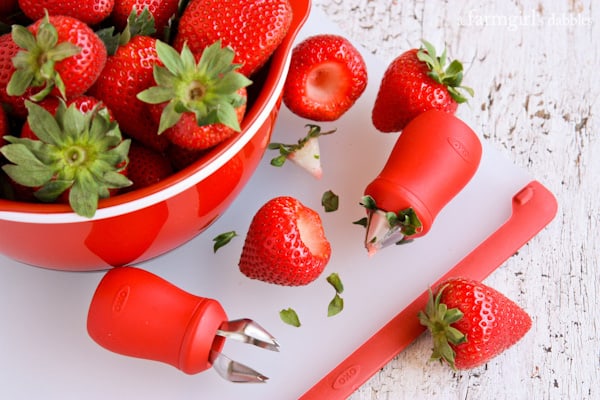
(45, 352)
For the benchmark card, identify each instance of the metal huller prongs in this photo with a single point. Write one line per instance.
(136, 313)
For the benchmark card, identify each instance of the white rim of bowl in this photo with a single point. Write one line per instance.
(170, 191)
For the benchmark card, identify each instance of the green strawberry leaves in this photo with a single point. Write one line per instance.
(314, 131)
(35, 63)
(82, 153)
(223, 239)
(438, 319)
(450, 76)
(290, 317)
(330, 201)
(137, 24)
(208, 88)
(407, 220)
(336, 305)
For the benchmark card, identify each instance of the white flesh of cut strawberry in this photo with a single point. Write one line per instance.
(309, 158)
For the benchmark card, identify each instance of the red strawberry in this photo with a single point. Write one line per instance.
(161, 11)
(77, 155)
(15, 104)
(285, 244)
(415, 82)
(83, 103)
(146, 166)
(90, 12)
(127, 73)
(61, 55)
(189, 135)
(252, 28)
(327, 75)
(471, 323)
(198, 105)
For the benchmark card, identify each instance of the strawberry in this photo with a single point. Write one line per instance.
(82, 103)
(189, 135)
(327, 75)
(146, 166)
(285, 244)
(305, 153)
(77, 155)
(198, 105)
(252, 28)
(127, 72)
(471, 323)
(161, 11)
(415, 82)
(90, 12)
(61, 55)
(15, 105)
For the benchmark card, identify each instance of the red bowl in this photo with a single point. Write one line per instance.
(145, 223)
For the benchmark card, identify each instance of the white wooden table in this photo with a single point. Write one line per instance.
(534, 68)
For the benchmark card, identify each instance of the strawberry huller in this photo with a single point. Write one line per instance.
(433, 159)
(136, 313)
(385, 228)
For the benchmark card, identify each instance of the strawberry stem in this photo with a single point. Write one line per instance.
(83, 153)
(208, 89)
(34, 64)
(450, 76)
(438, 320)
(285, 150)
(406, 219)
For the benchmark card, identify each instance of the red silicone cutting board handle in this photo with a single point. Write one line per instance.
(434, 157)
(136, 313)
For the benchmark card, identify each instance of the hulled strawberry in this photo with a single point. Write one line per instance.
(146, 166)
(416, 81)
(161, 11)
(285, 244)
(198, 104)
(128, 72)
(90, 12)
(252, 28)
(471, 323)
(60, 55)
(327, 75)
(78, 156)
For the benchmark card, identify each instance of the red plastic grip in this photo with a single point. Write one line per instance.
(434, 157)
(136, 313)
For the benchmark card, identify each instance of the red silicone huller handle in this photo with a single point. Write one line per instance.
(434, 157)
(136, 313)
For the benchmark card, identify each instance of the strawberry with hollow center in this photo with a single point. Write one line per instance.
(324, 80)
(327, 75)
(285, 244)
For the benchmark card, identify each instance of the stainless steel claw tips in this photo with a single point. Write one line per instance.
(246, 331)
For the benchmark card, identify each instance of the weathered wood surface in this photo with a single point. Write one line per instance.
(534, 67)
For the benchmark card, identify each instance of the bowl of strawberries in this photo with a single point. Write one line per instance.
(126, 130)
